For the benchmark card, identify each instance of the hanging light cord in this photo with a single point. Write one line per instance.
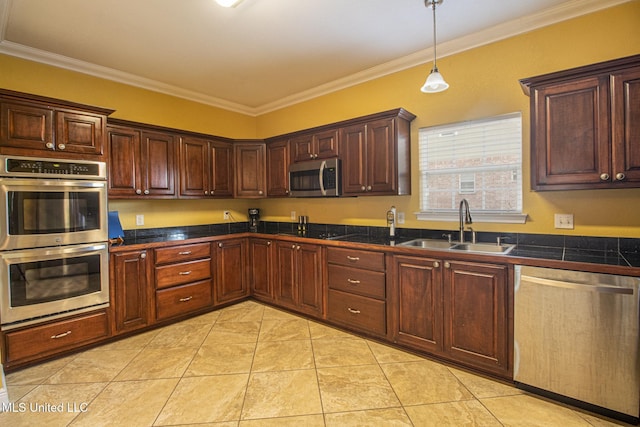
(435, 54)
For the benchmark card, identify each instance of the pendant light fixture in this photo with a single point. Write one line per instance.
(435, 82)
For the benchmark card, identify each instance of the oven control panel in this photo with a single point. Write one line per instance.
(33, 167)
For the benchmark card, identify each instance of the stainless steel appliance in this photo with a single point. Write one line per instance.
(577, 336)
(315, 178)
(53, 239)
(254, 219)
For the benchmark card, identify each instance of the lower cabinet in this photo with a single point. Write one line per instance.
(453, 309)
(40, 341)
(298, 278)
(129, 290)
(261, 269)
(230, 272)
(183, 280)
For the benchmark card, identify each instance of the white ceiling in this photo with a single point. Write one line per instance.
(263, 54)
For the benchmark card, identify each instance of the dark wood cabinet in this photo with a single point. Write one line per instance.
(319, 145)
(230, 272)
(128, 274)
(142, 163)
(250, 164)
(453, 309)
(298, 278)
(376, 157)
(45, 127)
(206, 168)
(261, 268)
(278, 159)
(584, 127)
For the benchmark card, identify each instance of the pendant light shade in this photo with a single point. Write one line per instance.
(435, 82)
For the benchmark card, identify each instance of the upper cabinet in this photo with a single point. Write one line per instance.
(142, 163)
(376, 157)
(278, 168)
(250, 162)
(319, 145)
(585, 126)
(45, 127)
(206, 168)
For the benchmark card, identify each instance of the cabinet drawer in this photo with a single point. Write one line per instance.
(181, 253)
(183, 299)
(358, 281)
(48, 339)
(356, 258)
(357, 311)
(185, 272)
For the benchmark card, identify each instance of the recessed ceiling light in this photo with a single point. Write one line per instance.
(228, 3)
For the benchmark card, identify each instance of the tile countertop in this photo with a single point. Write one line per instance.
(611, 251)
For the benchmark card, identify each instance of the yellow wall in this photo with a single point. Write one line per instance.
(484, 82)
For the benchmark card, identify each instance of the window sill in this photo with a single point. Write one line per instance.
(505, 218)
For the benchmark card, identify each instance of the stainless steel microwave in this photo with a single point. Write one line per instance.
(315, 178)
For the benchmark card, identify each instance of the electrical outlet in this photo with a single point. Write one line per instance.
(563, 221)
(400, 217)
(225, 214)
(293, 215)
(139, 219)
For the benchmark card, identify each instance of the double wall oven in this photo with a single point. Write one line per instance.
(53, 239)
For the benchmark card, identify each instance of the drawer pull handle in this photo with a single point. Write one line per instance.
(55, 337)
(184, 253)
(351, 310)
(187, 299)
(184, 273)
(353, 258)
(353, 282)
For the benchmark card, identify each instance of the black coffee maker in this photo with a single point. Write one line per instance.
(254, 219)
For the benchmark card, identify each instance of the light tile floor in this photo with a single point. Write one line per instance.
(253, 365)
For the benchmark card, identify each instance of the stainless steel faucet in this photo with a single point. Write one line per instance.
(465, 217)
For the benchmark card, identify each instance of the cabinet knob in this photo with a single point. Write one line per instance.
(293, 246)
(368, 188)
(143, 255)
(447, 265)
(261, 192)
(146, 192)
(211, 193)
(138, 191)
(298, 247)
(219, 245)
(311, 155)
(61, 146)
(436, 264)
(363, 188)
(49, 145)
(315, 156)
(269, 243)
(604, 177)
(206, 193)
(620, 176)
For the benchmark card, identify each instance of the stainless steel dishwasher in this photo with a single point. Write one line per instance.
(576, 337)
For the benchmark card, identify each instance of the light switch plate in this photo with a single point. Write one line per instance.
(563, 221)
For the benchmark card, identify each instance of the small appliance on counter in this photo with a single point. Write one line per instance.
(254, 219)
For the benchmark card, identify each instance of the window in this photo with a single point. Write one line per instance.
(480, 161)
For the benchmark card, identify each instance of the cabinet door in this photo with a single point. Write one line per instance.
(381, 157)
(286, 273)
(626, 126)
(231, 264)
(417, 303)
(325, 144)
(124, 167)
(130, 290)
(222, 173)
(475, 315)
(353, 152)
(26, 127)
(309, 278)
(250, 170)
(261, 268)
(194, 167)
(158, 157)
(302, 148)
(570, 140)
(80, 133)
(278, 169)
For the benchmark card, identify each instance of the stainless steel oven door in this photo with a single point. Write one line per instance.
(50, 212)
(44, 283)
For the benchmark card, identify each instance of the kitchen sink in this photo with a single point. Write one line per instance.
(483, 248)
(427, 244)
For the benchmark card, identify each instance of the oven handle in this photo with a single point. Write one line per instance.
(24, 255)
(323, 165)
(53, 183)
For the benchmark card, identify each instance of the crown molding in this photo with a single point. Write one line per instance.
(502, 31)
